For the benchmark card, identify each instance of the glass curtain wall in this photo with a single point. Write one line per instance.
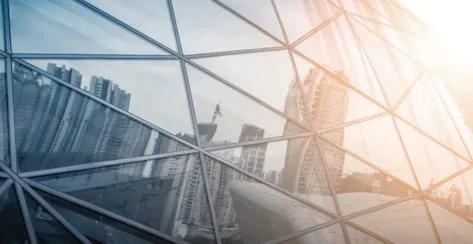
(227, 121)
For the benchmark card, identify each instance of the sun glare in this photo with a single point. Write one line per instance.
(451, 22)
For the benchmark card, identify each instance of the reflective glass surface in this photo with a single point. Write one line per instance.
(299, 16)
(404, 217)
(152, 90)
(293, 165)
(382, 149)
(204, 27)
(12, 227)
(4, 156)
(69, 27)
(248, 211)
(357, 185)
(47, 228)
(57, 126)
(171, 189)
(324, 121)
(329, 235)
(96, 227)
(224, 117)
(150, 17)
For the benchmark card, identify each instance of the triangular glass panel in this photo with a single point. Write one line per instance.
(171, 188)
(394, 69)
(206, 27)
(4, 145)
(152, 90)
(391, 34)
(261, 12)
(150, 17)
(329, 235)
(377, 142)
(248, 211)
(12, 226)
(455, 194)
(358, 237)
(425, 109)
(432, 162)
(300, 17)
(409, 218)
(330, 102)
(68, 27)
(357, 185)
(268, 76)
(335, 48)
(96, 227)
(452, 228)
(46, 226)
(227, 115)
(455, 91)
(293, 165)
(57, 126)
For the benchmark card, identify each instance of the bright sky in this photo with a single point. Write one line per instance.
(451, 20)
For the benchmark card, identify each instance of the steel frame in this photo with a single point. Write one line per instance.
(22, 181)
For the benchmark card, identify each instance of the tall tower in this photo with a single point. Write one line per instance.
(319, 102)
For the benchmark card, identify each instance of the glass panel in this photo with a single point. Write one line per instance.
(226, 115)
(357, 185)
(67, 27)
(2, 38)
(251, 212)
(330, 102)
(301, 16)
(293, 165)
(56, 126)
(335, 48)
(329, 235)
(46, 227)
(269, 76)
(4, 146)
(452, 228)
(171, 189)
(358, 237)
(150, 17)
(393, 35)
(365, 9)
(377, 141)
(456, 195)
(153, 90)
(408, 218)
(432, 163)
(455, 92)
(96, 227)
(424, 108)
(394, 69)
(12, 227)
(206, 27)
(261, 12)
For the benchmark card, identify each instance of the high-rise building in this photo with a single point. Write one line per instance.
(320, 101)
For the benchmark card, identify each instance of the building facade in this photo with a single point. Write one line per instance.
(269, 121)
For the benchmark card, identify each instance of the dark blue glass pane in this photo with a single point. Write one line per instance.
(12, 227)
(171, 189)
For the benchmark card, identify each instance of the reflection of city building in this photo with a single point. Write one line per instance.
(69, 128)
(63, 127)
(252, 157)
(320, 102)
